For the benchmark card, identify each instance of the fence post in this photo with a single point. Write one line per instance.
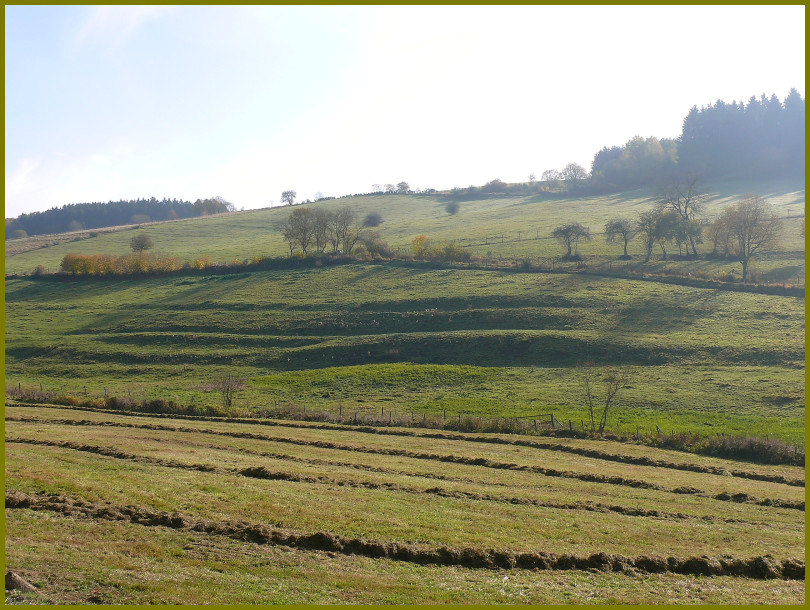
(445, 414)
(570, 426)
(552, 421)
(459, 419)
(340, 410)
(535, 425)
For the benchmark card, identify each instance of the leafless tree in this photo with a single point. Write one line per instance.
(320, 227)
(299, 229)
(343, 230)
(613, 379)
(684, 197)
(552, 178)
(227, 385)
(288, 197)
(574, 173)
(753, 226)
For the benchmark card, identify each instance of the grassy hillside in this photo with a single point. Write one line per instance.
(105, 508)
(509, 227)
(479, 342)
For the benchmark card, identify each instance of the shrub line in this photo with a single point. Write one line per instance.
(728, 447)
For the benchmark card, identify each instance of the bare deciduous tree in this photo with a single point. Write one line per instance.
(288, 197)
(574, 173)
(613, 380)
(343, 230)
(320, 228)
(299, 229)
(752, 226)
(227, 385)
(684, 197)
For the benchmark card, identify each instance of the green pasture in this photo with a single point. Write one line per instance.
(510, 227)
(375, 338)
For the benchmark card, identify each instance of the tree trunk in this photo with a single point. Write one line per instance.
(745, 270)
(692, 243)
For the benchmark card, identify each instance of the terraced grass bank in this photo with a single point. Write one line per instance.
(187, 510)
(370, 339)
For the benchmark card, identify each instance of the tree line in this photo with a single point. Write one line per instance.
(338, 231)
(741, 231)
(80, 216)
(762, 138)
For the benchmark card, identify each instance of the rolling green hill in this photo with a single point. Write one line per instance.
(374, 502)
(509, 227)
(372, 337)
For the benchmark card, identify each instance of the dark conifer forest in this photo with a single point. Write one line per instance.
(80, 216)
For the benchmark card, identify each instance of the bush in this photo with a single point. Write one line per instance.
(18, 234)
(128, 264)
(452, 207)
(372, 219)
(141, 242)
(39, 270)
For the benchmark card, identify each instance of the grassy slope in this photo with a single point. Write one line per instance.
(507, 343)
(371, 494)
(486, 343)
(241, 236)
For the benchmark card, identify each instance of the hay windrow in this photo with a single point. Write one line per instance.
(261, 472)
(761, 567)
(471, 461)
(471, 438)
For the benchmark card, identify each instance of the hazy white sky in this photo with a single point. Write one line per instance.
(108, 103)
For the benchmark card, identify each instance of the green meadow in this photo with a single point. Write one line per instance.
(122, 507)
(375, 337)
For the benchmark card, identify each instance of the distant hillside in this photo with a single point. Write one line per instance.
(505, 225)
(79, 216)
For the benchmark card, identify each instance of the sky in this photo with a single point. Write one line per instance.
(122, 102)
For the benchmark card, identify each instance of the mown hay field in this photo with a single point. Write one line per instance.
(125, 508)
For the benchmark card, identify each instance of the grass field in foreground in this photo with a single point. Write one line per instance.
(303, 479)
(367, 338)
